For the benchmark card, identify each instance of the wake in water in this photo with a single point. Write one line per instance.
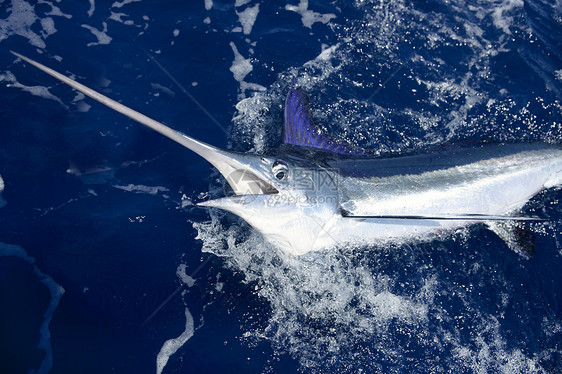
(429, 307)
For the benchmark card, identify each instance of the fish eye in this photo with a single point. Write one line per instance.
(280, 170)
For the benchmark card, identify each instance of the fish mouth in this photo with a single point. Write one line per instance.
(245, 174)
(244, 182)
(248, 189)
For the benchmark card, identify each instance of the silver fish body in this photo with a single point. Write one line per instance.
(403, 197)
(310, 199)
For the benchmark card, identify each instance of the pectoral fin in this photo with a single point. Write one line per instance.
(516, 235)
(443, 217)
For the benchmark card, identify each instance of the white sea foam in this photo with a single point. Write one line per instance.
(181, 272)
(101, 35)
(22, 17)
(208, 4)
(326, 53)
(55, 290)
(326, 300)
(121, 4)
(92, 7)
(372, 309)
(150, 190)
(240, 66)
(247, 18)
(163, 89)
(40, 91)
(309, 17)
(248, 86)
(55, 11)
(48, 27)
(81, 105)
(172, 345)
(24, 21)
(490, 353)
(97, 174)
(2, 201)
(118, 17)
(325, 304)
(502, 14)
(185, 202)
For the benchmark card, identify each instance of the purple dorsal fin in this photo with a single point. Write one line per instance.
(299, 128)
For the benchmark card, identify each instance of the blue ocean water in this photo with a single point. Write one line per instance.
(106, 265)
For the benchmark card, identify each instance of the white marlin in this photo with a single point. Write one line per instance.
(314, 192)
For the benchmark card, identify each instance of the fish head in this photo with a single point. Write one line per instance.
(290, 201)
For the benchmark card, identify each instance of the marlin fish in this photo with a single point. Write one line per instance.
(315, 192)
